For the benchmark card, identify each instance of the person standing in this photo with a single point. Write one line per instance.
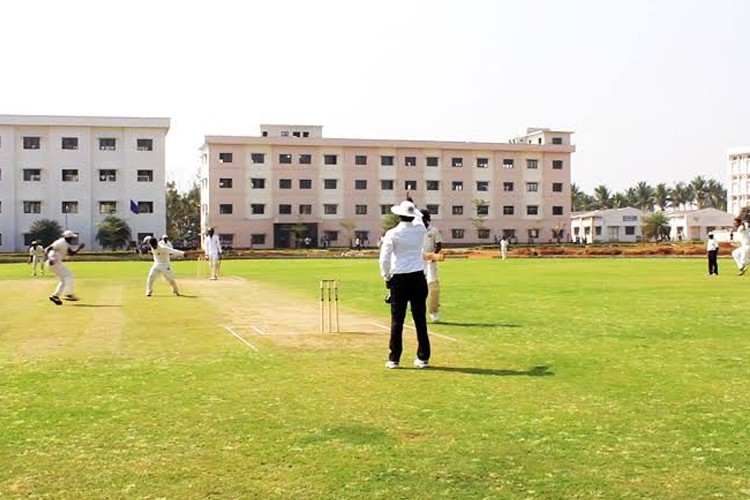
(56, 253)
(740, 254)
(212, 247)
(162, 265)
(712, 247)
(165, 241)
(402, 267)
(36, 257)
(504, 248)
(432, 245)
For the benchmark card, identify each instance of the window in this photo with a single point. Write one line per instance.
(385, 209)
(295, 134)
(557, 210)
(457, 162)
(225, 208)
(507, 186)
(145, 207)
(225, 157)
(330, 183)
(107, 207)
(145, 176)
(257, 208)
(305, 209)
(32, 174)
(457, 186)
(508, 163)
(285, 209)
(387, 161)
(305, 159)
(533, 233)
(630, 230)
(257, 183)
(107, 175)
(225, 183)
(330, 209)
(331, 235)
(285, 158)
(386, 185)
(107, 144)
(557, 164)
(457, 209)
(144, 144)
(483, 186)
(364, 236)
(410, 161)
(330, 159)
(226, 240)
(532, 209)
(69, 143)
(410, 185)
(360, 184)
(532, 187)
(597, 230)
(508, 210)
(483, 162)
(70, 175)
(257, 239)
(509, 233)
(483, 210)
(532, 164)
(32, 142)
(285, 183)
(431, 161)
(32, 207)
(457, 234)
(360, 209)
(257, 157)
(360, 160)
(557, 140)
(305, 184)
(557, 187)
(433, 209)
(284, 133)
(483, 234)
(433, 185)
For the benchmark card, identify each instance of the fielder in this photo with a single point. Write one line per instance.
(212, 247)
(741, 253)
(56, 253)
(431, 247)
(36, 257)
(162, 265)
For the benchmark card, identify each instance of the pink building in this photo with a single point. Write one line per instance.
(290, 182)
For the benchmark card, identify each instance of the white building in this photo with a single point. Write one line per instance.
(738, 179)
(602, 226)
(694, 225)
(77, 170)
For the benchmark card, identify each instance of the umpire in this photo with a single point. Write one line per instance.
(402, 267)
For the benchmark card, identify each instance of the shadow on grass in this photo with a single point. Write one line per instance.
(491, 325)
(537, 371)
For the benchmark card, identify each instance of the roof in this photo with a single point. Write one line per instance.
(83, 121)
(603, 213)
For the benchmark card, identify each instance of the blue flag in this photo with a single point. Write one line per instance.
(134, 207)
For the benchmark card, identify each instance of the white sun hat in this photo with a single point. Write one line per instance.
(69, 234)
(406, 209)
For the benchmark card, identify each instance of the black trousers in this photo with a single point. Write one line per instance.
(408, 289)
(713, 265)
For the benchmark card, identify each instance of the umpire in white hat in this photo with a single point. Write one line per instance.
(402, 266)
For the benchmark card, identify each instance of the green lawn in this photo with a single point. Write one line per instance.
(583, 378)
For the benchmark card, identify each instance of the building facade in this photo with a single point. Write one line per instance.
(611, 225)
(738, 179)
(695, 225)
(77, 170)
(290, 182)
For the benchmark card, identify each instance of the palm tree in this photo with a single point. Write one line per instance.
(631, 197)
(700, 191)
(679, 195)
(602, 194)
(644, 196)
(45, 231)
(717, 195)
(113, 232)
(661, 196)
(655, 226)
(577, 198)
(619, 200)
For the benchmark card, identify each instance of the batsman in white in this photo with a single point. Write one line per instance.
(36, 257)
(162, 264)
(56, 253)
(212, 247)
(741, 253)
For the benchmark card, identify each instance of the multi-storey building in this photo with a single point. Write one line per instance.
(738, 179)
(271, 190)
(77, 170)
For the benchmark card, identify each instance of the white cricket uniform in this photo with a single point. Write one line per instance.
(504, 249)
(741, 253)
(162, 265)
(212, 247)
(37, 258)
(431, 238)
(58, 250)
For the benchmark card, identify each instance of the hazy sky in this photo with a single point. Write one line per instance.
(654, 90)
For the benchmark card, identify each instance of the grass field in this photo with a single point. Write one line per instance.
(552, 378)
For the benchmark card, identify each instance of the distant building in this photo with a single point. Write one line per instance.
(610, 225)
(77, 170)
(738, 179)
(694, 225)
(290, 182)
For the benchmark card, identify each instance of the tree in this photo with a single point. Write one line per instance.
(717, 195)
(300, 231)
(679, 195)
(390, 221)
(348, 227)
(655, 227)
(113, 233)
(661, 196)
(602, 194)
(45, 231)
(700, 191)
(479, 213)
(618, 200)
(579, 200)
(644, 196)
(183, 216)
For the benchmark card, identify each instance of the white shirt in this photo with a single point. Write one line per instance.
(213, 246)
(712, 245)
(503, 244)
(36, 251)
(58, 250)
(162, 252)
(742, 236)
(401, 251)
(431, 238)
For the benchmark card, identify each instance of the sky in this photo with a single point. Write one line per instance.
(654, 91)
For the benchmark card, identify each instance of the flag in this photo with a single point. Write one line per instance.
(133, 207)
